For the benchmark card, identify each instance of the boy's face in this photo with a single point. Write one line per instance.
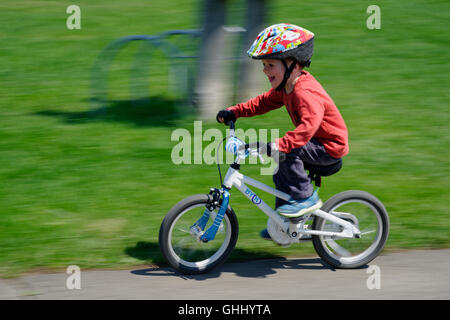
(274, 71)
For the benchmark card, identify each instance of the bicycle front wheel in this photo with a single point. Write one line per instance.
(368, 214)
(180, 245)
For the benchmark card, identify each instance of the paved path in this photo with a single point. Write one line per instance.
(419, 274)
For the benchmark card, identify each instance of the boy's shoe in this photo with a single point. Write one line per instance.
(265, 234)
(297, 208)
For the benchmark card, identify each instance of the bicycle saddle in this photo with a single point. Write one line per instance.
(316, 171)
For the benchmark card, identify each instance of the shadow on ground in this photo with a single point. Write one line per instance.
(155, 111)
(146, 251)
(256, 264)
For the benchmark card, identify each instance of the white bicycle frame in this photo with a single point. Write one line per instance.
(238, 180)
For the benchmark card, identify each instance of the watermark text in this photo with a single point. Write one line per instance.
(74, 20)
(205, 147)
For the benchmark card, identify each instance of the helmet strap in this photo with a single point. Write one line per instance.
(287, 74)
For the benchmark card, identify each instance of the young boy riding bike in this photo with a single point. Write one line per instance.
(320, 136)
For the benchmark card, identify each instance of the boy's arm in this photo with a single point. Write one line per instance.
(312, 111)
(261, 104)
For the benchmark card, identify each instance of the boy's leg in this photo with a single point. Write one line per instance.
(314, 153)
(292, 177)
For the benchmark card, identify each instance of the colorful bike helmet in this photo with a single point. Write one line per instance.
(282, 41)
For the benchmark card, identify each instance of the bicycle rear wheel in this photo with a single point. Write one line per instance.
(368, 214)
(180, 245)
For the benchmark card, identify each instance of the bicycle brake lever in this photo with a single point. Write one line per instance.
(254, 152)
(261, 158)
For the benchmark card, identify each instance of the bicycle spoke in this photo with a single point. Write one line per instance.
(183, 230)
(181, 243)
(366, 232)
(338, 249)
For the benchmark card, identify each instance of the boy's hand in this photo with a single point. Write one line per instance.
(225, 116)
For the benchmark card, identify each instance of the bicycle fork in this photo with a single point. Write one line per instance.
(199, 226)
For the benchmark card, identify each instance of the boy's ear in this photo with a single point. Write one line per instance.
(298, 67)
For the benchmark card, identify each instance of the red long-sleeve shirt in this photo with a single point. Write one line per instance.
(312, 112)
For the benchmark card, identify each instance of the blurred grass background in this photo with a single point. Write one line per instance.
(92, 191)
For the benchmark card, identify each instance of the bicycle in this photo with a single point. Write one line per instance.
(200, 232)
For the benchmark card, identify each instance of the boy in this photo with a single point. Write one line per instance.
(320, 136)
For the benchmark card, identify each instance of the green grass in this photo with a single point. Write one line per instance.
(91, 190)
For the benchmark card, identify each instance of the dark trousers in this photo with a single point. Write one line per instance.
(292, 177)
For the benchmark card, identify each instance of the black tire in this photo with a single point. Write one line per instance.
(376, 215)
(187, 260)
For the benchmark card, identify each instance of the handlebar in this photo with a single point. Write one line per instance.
(252, 145)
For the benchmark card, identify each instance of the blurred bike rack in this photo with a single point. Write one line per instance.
(182, 63)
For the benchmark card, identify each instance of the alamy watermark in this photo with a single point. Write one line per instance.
(74, 20)
(374, 20)
(374, 280)
(73, 281)
(205, 147)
